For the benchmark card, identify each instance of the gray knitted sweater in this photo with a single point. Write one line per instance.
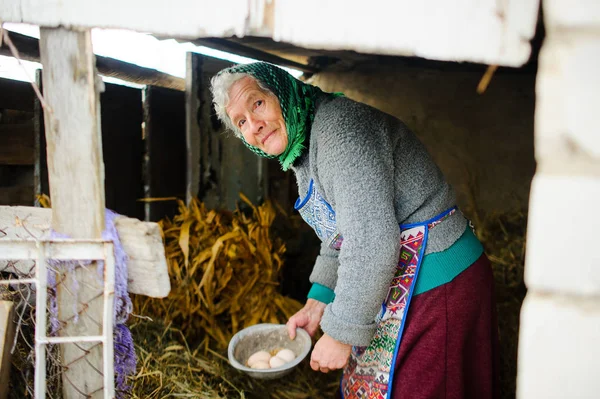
(375, 174)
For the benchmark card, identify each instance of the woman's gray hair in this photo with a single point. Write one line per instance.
(220, 86)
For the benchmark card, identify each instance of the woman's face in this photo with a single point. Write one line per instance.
(258, 116)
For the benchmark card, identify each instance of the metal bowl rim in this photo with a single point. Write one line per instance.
(247, 330)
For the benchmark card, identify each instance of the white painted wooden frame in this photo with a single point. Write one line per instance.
(483, 31)
(65, 249)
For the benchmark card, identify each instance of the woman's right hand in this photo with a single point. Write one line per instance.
(308, 318)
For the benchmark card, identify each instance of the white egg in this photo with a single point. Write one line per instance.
(260, 365)
(276, 362)
(260, 356)
(286, 354)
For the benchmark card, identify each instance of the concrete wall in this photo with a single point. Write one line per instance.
(483, 142)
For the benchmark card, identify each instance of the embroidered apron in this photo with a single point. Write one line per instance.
(369, 372)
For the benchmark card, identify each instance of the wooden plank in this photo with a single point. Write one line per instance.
(137, 74)
(123, 149)
(16, 144)
(29, 50)
(76, 175)
(248, 51)
(165, 131)
(7, 335)
(16, 94)
(192, 127)
(482, 31)
(147, 272)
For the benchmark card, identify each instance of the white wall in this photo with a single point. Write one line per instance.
(559, 346)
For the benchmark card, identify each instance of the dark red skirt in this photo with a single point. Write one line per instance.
(450, 345)
(449, 348)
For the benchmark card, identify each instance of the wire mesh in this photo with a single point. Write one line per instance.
(79, 299)
(23, 297)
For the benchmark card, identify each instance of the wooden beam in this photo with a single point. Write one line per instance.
(246, 51)
(73, 133)
(7, 335)
(137, 74)
(29, 50)
(147, 272)
(76, 176)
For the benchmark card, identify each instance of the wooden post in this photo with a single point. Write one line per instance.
(192, 127)
(76, 177)
(7, 335)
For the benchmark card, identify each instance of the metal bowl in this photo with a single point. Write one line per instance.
(267, 337)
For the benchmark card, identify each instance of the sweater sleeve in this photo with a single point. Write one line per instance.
(356, 170)
(326, 267)
(324, 275)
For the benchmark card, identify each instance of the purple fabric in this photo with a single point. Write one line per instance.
(125, 359)
(123, 305)
(450, 344)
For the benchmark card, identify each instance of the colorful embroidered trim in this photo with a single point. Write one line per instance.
(369, 370)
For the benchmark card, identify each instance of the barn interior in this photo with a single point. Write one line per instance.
(167, 158)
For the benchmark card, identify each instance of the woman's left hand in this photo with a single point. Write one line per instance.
(329, 354)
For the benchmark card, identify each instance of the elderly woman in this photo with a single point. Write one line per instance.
(385, 215)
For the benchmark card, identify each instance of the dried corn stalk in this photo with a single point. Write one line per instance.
(224, 270)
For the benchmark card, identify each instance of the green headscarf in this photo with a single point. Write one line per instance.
(297, 101)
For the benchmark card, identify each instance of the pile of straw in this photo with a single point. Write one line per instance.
(169, 367)
(225, 269)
